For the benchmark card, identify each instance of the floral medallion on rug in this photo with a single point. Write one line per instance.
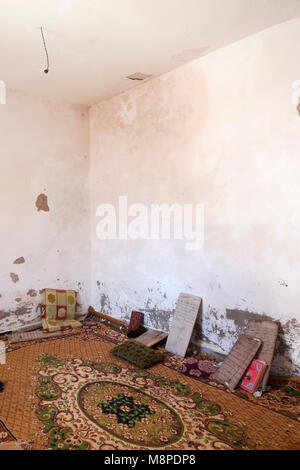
(88, 405)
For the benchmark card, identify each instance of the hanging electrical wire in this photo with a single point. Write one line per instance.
(45, 47)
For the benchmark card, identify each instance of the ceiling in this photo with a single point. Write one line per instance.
(94, 45)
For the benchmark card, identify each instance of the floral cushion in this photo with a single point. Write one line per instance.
(198, 368)
(58, 310)
(138, 354)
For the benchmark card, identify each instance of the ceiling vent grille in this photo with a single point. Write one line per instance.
(138, 76)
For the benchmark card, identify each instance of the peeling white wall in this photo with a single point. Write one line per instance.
(221, 131)
(44, 150)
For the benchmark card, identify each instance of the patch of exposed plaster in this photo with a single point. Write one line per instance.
(32, 293)
(20, 311)
(20, 260)
(14, 277)
(241, 317)
(42, 203)
(115, 301)
(3, 314)
(157, 318)
(105, 305)
(209, 328)
(23, 310)
(12, 319)
(38, 309)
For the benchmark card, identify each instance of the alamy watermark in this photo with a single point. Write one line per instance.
(153, 222)
(2, 92)
(2, 352)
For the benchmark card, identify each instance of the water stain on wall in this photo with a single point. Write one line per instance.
(42, 203)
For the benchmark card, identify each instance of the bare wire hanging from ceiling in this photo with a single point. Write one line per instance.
(46, 70)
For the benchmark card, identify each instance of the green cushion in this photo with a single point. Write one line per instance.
(138, 354)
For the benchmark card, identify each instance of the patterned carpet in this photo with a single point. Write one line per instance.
(72, 393)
